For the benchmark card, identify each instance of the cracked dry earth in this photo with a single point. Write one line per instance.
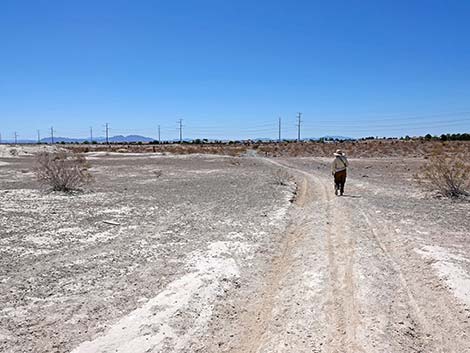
(234, 265)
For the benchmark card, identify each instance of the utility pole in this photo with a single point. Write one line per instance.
(91, 134)
(39, 136)
(181, 130)
(52, 134)
(279, 129)
(16, 138)
(107, 136)
(299, 121)
(0, 138)
(159, 141)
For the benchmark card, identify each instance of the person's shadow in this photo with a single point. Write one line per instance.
(352, 196)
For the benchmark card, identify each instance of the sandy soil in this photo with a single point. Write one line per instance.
(12, 151)
(177, 245)
(212, 256)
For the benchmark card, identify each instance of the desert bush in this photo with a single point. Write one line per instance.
(449, 176)
(234, 161)
(363, 148)
(62, 171)
(281, 177)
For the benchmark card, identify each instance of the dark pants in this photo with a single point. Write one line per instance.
(340, 180)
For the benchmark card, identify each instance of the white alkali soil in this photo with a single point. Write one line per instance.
(210, 255)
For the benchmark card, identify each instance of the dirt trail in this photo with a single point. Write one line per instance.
(344, 282)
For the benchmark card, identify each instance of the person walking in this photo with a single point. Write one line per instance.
(338, 170)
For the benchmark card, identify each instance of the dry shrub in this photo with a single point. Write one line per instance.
(62, 171)
(369, 148)
(234, 161)
(281, 177)
(449, 176)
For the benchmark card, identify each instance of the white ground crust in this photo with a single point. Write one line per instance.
(125, 154)
(11, 151)
(446, 265)
(149, 328)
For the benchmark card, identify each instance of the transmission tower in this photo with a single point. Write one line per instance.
(107, 133)
(180, 122)
(299, 121)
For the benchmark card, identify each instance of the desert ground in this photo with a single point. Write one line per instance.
(208, 253)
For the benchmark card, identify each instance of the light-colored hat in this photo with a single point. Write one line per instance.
(338, 153)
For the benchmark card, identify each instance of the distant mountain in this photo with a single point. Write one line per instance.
(100, 139)
(337, 138)
(129, 138)
(264, 139)
(62, 139)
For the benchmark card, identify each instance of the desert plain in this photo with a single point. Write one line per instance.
(212, 253)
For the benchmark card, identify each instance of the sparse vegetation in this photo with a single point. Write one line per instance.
(281, 177)
(234, 161)
(355, 149)
(62, 171)
(446, 175)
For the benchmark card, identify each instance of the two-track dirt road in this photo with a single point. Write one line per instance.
(345, 281)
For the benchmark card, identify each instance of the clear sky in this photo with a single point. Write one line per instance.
(231, 68)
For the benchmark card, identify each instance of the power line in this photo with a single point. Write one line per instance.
(272, 129)
(394, 117)
(348, 127)
(370, 127)
(355, 123)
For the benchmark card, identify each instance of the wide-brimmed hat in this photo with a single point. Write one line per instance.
(338, 153)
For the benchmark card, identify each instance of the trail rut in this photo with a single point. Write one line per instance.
(342, 284)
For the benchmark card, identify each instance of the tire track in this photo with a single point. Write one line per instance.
(378, 298)
(343, 311)
(341, 307)
(259, 322)
(348, 342)
(433, 310)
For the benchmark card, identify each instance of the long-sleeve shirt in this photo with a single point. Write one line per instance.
(340, 163)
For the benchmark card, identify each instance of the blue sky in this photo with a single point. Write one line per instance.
(231, 68)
